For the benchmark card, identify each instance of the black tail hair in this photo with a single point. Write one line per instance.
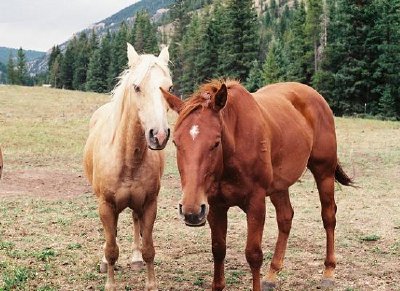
(342, 177)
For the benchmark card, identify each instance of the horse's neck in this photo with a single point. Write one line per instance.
(129, 140)
(242, 117)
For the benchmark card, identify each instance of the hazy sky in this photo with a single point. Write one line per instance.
(40, 24)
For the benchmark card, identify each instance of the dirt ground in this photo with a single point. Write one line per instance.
(49, 184)
(51, 237)
(365, 261)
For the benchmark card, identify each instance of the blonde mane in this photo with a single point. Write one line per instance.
(123, 95)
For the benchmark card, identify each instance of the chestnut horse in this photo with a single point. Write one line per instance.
(120, 161)
(235, 148)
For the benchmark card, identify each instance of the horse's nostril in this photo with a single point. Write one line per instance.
(151, 132)
(180, 209)
(202, 211)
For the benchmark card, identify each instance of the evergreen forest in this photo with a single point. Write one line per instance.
(349, 50)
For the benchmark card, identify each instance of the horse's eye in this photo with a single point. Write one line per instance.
(137, 88)
(215, 145)
(171, 89)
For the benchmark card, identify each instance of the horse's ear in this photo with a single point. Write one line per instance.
(220, 98)
(174, 102)
(164, 55)
(133, 56)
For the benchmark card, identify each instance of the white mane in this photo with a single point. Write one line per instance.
(124, 93)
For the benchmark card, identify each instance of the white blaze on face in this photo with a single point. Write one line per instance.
(194, 131)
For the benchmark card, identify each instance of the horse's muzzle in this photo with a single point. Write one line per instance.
(194, 219)
(158, 139)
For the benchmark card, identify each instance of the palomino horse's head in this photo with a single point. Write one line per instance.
(144, 78)
(197, 137)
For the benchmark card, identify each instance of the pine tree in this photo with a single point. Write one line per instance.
(313, 29)
(179, 13)
(11, 72)
(119, 58)
(190, 49)
(296, 47)
(81, 62)
(21, 70)
(254, 81)
(54, 68)
(241, 42)
(387, 103)
(97, 76)
(67, 66)
(273, 68)
(384, 40)
(55, 51)
(215, 40)
(55, 72)
(346, 76)
(143, 35)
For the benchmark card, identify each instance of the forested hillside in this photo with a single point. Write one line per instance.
(5, 54)
(348, 50)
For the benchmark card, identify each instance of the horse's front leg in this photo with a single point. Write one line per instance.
(255, 212)
(137, 260)
(284, 216)
(217, 218)
(109, 218)
(148, 252)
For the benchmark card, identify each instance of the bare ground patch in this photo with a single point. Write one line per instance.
(44, 183)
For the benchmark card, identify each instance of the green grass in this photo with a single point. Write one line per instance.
(55, 242)
(370, 237)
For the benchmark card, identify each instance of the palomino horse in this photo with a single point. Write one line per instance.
(234, 148)
(118, 162)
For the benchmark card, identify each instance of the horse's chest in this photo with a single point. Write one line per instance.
(235, 192)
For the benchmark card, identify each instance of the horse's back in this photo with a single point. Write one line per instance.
(295, 96)
(303, 127)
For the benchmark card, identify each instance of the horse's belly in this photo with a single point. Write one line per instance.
(289, 170)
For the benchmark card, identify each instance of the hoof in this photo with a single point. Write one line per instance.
(137, 265)
(103, 267)
(268, 286)
(110, 287)
(151, 288)
(327, 283)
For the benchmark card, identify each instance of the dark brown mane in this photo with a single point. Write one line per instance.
(202, 97)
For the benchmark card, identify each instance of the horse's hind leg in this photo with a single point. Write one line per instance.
(137, 260)
(325, 179)
(148, 252)
(109, 218)
(284, 215)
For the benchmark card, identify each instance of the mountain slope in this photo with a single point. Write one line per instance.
(29, 54)
(111, 23)
(150, 5)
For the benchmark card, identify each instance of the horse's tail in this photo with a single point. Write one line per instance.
(342, 177)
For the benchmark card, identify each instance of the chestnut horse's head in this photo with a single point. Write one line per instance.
(197, 137)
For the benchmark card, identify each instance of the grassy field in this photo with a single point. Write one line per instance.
(51, 237)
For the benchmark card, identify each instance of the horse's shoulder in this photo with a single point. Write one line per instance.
(100, 114)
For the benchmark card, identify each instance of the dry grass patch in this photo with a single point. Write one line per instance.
(51, 237)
